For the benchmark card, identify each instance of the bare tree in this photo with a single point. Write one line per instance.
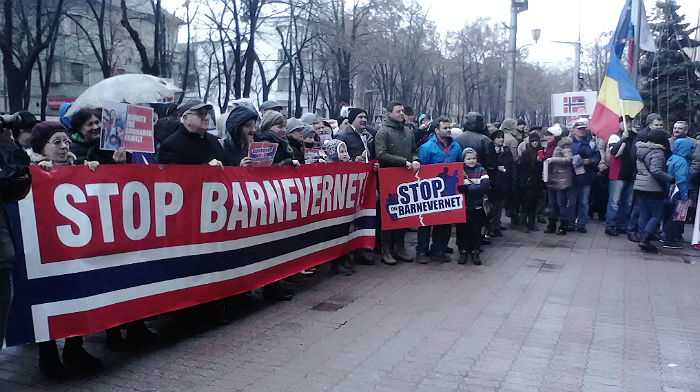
(45, 69)
(342, 33)
(156, 63)
(29, 28)
(104, 44)
(186, 73)
(595, 61)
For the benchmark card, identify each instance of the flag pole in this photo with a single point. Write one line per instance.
(635, 59)
(624, 120)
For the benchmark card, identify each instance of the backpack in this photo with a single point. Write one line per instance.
(15, 177)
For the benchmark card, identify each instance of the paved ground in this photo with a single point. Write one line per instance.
(545, 313)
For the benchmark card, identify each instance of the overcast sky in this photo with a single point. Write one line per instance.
(557, 19)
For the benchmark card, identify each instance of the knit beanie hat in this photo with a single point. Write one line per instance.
(269, 119)
(308, 131)
(42, 132)
(651, 117)
(509, 124)
(308, 118)
(555, 130)
(330, 147)
(534, 136)
(354, 112)
(468, 150)
(293, 124)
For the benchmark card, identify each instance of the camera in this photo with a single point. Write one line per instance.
(17, 121)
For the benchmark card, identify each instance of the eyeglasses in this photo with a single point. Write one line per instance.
(201, 115)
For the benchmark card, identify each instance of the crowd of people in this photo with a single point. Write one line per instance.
(638, 180)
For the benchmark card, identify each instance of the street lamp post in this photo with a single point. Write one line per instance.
(577, 61)
(516, 7)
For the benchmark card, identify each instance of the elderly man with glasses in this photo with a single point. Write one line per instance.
(190, 143)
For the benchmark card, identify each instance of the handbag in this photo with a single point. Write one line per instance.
(487, 205)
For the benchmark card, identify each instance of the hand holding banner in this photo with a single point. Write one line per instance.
(128, 126)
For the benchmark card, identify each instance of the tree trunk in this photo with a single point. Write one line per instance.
(344, 77)
(250, 50)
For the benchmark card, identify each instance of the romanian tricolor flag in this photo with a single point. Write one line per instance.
(618, 96)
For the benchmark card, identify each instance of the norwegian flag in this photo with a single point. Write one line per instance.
(574, 104)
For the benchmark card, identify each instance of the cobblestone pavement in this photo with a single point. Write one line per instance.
(582, 312)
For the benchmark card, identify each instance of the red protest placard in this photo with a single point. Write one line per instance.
(312, 155)
(138, 131)
(128, 126)
(424, 198)
(681, 211)
(262, 153)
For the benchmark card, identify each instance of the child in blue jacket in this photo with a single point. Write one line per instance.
(476, 184)
(678, 167)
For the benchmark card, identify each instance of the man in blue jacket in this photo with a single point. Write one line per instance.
(587, 155)
(440, 148)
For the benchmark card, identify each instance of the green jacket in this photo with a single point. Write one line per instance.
(394, 144)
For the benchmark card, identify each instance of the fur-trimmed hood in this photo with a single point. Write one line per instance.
(644, 148)
(35, 157)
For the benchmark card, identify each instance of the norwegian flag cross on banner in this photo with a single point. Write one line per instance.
(574, 104)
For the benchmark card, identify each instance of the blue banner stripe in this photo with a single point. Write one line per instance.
(83, 284)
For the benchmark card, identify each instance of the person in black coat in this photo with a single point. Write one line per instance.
(502, 183)
(529, 180)
(476, 136)
(240, 130)
(190, 143)
(295, 138)
(358, 138)
(272, 129)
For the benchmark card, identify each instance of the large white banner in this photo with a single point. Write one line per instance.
(574, 103)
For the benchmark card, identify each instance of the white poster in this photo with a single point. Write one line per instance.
(575, 103)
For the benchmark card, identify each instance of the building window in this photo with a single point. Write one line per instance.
(283, 80)
(76, 73)
(56, 73)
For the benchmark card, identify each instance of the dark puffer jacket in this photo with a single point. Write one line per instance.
(235, 147)
(561, 173)
(189, 148)
(475, 136)
(354, 142)
(503, 179)
(529, 177)
(651, 169)
(80, 148)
